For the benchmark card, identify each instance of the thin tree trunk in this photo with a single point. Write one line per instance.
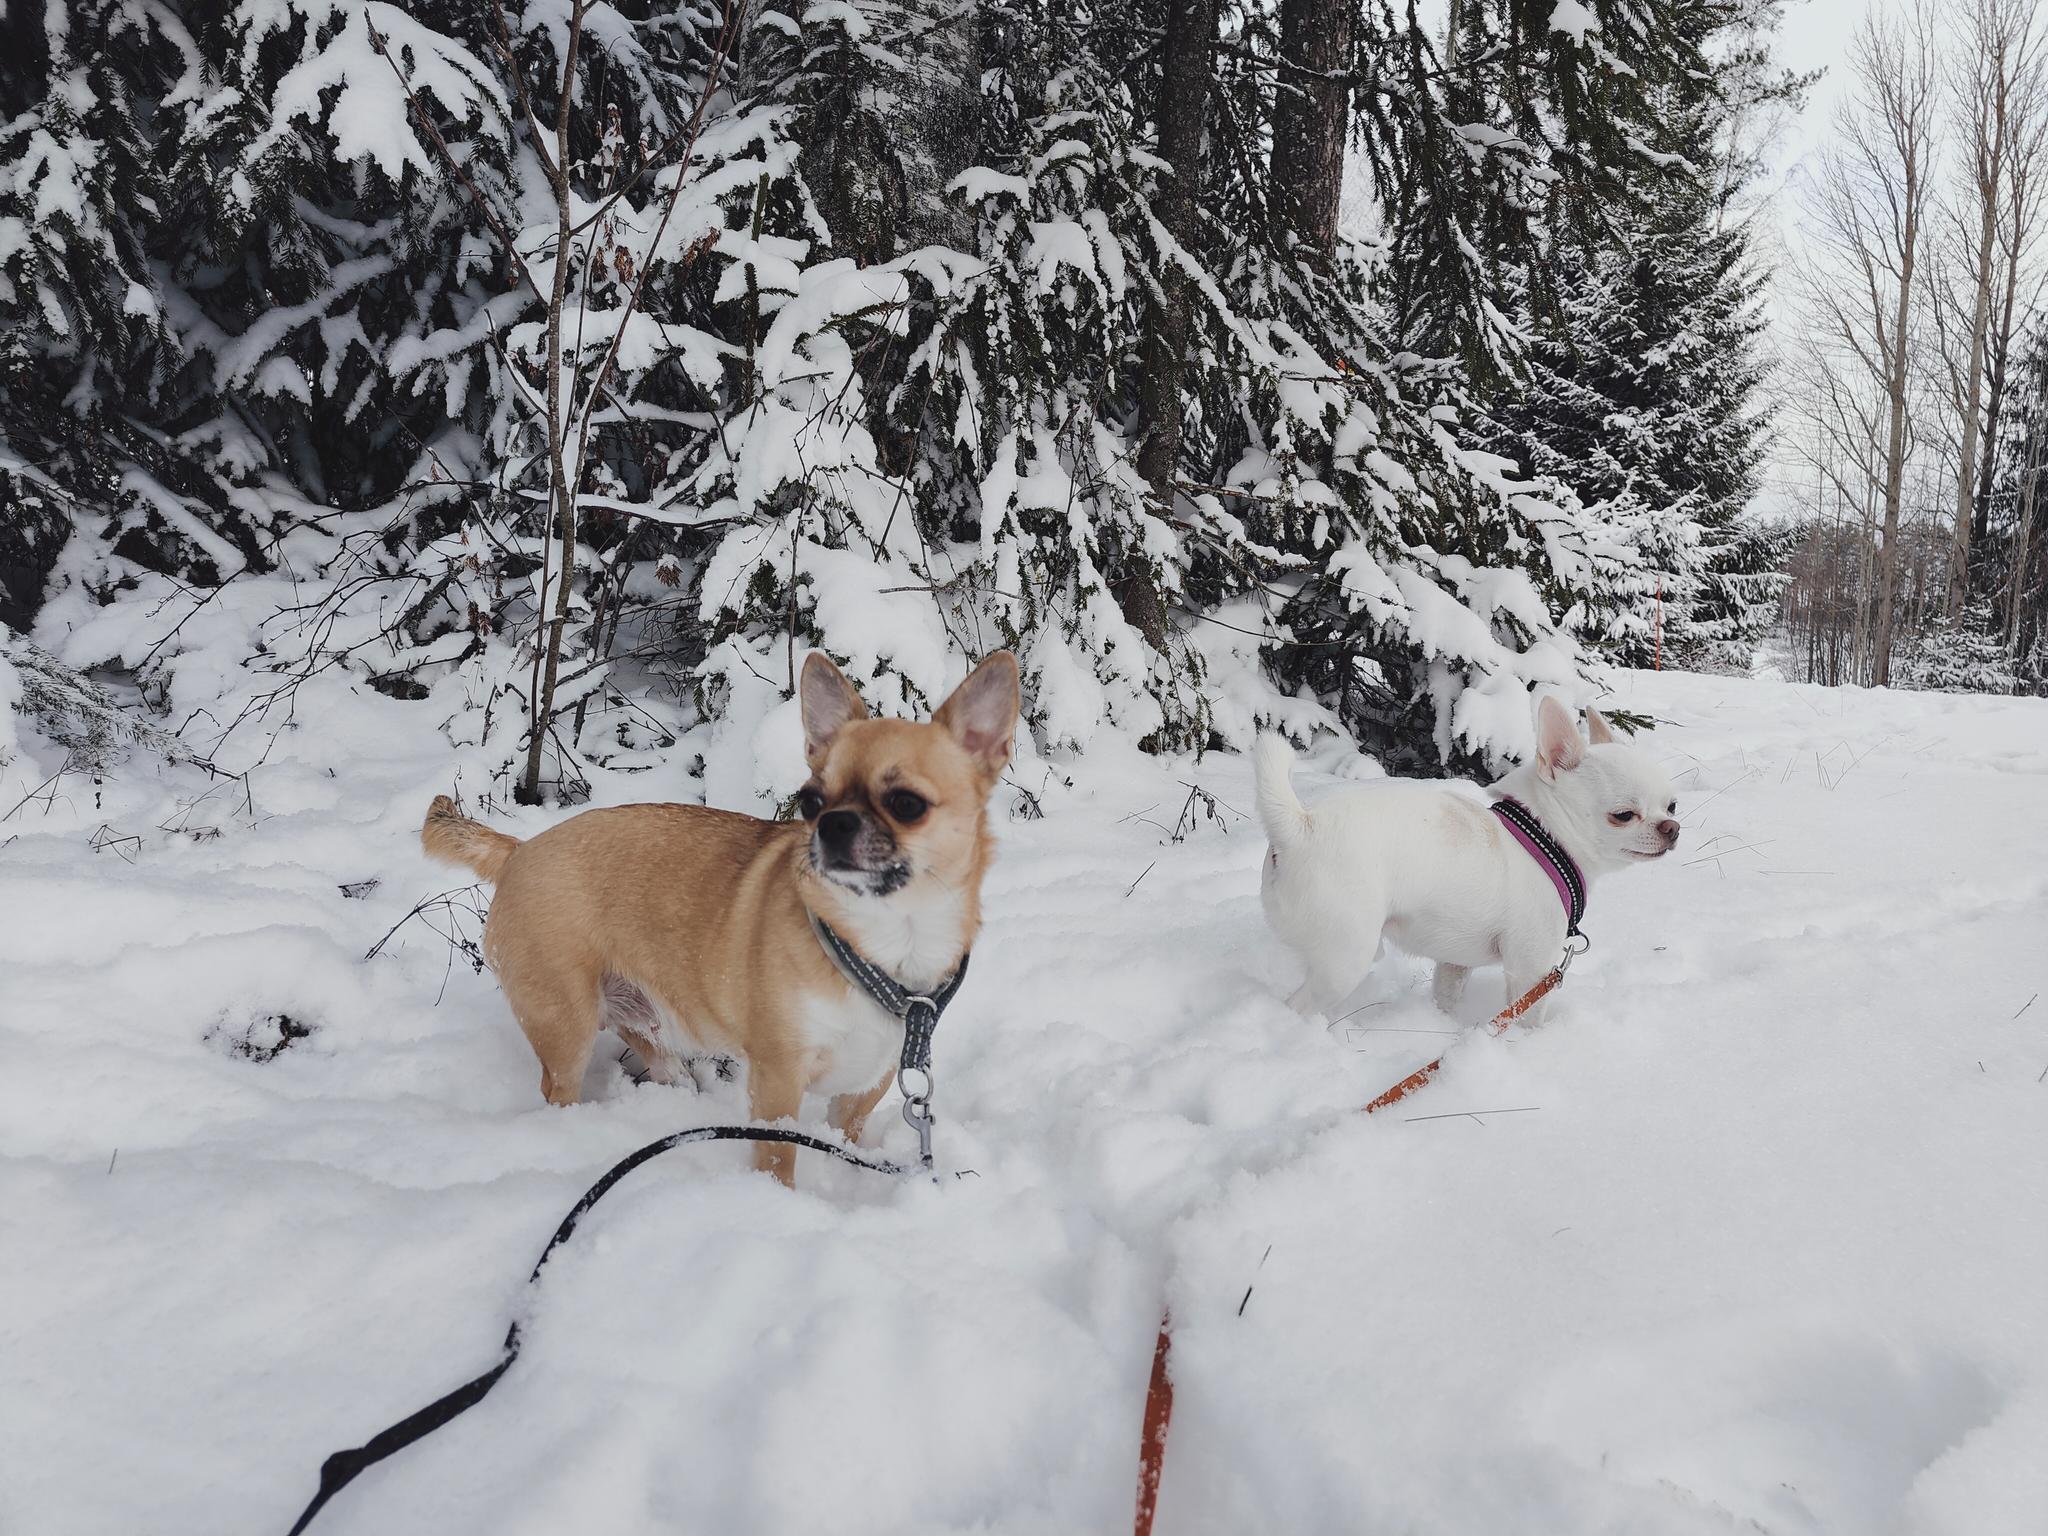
(1895, 441)
(561, 499)
(1998, 81)
(2019, 206)
(1183, 108)
(2001, 352)
(2022, 537)
(1313, 113)
(1973, 385)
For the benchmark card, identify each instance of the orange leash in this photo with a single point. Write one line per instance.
(1159, 1395)
(1152, 1443)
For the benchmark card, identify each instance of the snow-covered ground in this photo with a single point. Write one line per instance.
(1752, 1234)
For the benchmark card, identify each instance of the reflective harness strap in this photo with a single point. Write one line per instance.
(919, 1012)
(1547, 851)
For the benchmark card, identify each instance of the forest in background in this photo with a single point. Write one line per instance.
(572, 368)
(1915, 366)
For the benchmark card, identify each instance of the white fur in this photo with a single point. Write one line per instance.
(913, 934)
(1425, 865)
(849, 1043)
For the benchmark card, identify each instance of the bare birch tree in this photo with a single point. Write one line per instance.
(1869, 214)
(1996, 63)
(2023, 212)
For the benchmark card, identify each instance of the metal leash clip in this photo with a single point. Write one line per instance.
(1572, 950)
(917, 1111)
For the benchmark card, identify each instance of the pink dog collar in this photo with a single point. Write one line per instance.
(1546, 850)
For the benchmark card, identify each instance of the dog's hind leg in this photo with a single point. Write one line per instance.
(1332, 976)
(1340, 952)
(557, 1010)
(561, 1034)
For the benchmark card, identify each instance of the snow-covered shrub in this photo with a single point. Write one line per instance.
(854, 302)
(1957, 656)
(1643, 391)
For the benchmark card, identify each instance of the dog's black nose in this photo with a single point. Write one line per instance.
(836, 830)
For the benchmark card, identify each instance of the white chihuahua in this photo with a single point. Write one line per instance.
(1437, 871)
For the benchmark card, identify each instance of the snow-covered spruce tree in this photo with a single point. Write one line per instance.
(1314, 455)
(2015, 551)
(1963, 654)
(1475, 579)
(1642, 393)
(202, 288)
(89, 99)
(883, 378)
(330, 251)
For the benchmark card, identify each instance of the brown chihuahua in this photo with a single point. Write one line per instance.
(681, 926)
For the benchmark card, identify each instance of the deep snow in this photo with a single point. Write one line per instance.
(1752, 1234)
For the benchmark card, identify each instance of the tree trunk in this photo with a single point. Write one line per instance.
(1973, 383)
(33, 530)
(939, 115)
(1895, 441)
(561, 494)
(1183, 108)
(2022, 537)
(1313, 112)
(2000, 349)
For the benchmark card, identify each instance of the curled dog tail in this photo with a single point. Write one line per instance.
(449, 835)
(1284, 817)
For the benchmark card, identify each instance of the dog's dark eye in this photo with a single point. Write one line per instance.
(903, 805)
(809, 803)
(1671, 809)
(1621, 818)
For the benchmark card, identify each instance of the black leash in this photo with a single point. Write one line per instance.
(920, 1015)
(344, 1467)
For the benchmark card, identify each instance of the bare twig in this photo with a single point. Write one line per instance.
(1474, 1114)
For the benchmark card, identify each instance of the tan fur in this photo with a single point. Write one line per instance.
(452, 837)
(706, 913)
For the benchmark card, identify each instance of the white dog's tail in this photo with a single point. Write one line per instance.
(1285, 818)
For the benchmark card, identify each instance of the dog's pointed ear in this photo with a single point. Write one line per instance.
(981, 714)
(829, 702)
(1597, 730)
(1558, 747)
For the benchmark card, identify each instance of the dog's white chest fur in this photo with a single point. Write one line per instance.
(916, 939)
(852, 1043)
